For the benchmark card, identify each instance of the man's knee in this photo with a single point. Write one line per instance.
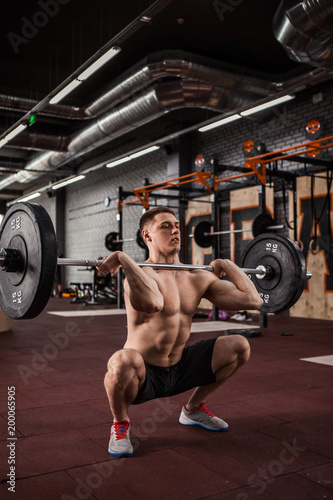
(125, 364)
(242, 348)
(236, 346)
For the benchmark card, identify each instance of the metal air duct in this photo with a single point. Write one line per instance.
(147, 92)
(305, 29)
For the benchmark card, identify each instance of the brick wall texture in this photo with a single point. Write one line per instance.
(87, 220)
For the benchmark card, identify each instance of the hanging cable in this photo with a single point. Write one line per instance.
(285, 205)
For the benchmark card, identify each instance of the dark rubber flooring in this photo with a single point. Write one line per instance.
(279, 409)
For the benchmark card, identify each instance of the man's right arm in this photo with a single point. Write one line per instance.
(144, 293)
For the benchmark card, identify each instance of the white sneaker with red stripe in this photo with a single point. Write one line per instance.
(120, 444)
(202, 417)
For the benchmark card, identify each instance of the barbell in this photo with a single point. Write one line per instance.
(113, 242)
(262, 224)
(28, 260)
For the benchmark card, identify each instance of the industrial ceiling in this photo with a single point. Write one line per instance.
(180, 64)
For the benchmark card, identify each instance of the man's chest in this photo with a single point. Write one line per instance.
(182, 292)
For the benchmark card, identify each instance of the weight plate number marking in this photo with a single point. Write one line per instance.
(16, 223)
(271, 247)
(17, 297)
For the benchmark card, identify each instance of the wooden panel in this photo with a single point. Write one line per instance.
(198, 210)
(317, 299)
(244, 207)
(6, 323)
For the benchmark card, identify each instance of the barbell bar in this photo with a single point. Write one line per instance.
(7, 263)
(10, 262)
(262, 271)
(28, 260)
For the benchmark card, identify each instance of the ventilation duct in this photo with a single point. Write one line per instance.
(141, 109)
(305, 29)
(23, 105)
(149, 91)
(181, 66)
(175, 65)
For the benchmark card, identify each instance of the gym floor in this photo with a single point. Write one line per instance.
(279, 408)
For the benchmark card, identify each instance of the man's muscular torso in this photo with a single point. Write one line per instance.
(160, 338)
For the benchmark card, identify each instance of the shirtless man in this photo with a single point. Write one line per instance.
(154, 361)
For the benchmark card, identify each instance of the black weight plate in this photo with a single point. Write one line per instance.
(110, 241)
(27, 227)
(261, 223)
(140, 240)
(287, 262)
(199, 234)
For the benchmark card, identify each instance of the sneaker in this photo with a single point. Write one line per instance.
(120, 444)
(202, 417)
(240, 316)
(248, 317)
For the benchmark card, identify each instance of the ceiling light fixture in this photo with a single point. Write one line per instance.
(132, 156)
(99, 63)
(85, 74)
(17, 130)
(268, 104)
(144, 152)
(247, 112)
(68, 181)
(228, 119)
(118, 162)
(65, 91)
(29, 197)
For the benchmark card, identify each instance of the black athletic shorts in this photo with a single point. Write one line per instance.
(192, 370)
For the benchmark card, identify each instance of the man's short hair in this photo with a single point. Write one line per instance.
(150, 214)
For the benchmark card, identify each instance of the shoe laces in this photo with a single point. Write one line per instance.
(120, 429)
(204, 408)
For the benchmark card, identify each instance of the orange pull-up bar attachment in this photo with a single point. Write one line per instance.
(260, 175)
(309, 148)
(142, 193)
(232, 177)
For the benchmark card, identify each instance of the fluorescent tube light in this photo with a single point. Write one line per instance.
(132, 156)
(85, 74)
(68, 181)
(12, 134)
(65, 91)
(99, 63)
(268, 104)
(228, 119)
(118, 162)
(144, 151)
(29, 197)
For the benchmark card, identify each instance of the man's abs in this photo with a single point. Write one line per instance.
(159, 343)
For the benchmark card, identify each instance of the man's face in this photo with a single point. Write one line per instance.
(163, 233)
